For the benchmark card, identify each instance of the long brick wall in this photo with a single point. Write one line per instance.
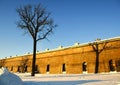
(76, 59)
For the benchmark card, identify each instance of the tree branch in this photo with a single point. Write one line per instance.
(93, 46)
(44, 35)
(104, 46)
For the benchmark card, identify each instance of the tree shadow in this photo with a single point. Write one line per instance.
(79, 82)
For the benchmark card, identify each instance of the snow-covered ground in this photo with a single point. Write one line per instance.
(7, 78)
(71, 79)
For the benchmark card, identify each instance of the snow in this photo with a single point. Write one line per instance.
(7, 78)
(71, 79)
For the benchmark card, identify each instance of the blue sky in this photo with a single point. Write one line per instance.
(78, 21)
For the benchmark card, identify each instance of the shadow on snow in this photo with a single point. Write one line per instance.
(59, 82)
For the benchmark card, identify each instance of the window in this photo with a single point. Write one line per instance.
(118, 65)
(36, 69)
(84, 66)
(48, 68)
(26, 68)
(18, 70)
(63, 67)
(111, 65)
(12, 68)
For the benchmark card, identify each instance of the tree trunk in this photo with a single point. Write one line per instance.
(97, 62)
(34, 57)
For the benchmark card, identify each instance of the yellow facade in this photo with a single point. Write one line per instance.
(76, 59)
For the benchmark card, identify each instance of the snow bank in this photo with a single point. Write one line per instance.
(7, 78)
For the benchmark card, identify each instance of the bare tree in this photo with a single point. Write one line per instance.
(2, 62)
(35, 20)
(97, 49)
(23, 64)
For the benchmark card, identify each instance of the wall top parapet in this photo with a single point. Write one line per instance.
(81, 45)
(76, 45)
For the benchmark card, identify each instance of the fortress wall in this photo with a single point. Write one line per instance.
(71, 60)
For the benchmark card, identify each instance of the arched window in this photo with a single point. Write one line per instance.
(48, 68)
(118, 65)
(18, 70)
(84, 66)
(63, 68)
(12, 68)
(36, 69)
(111, 65)
(26, 68)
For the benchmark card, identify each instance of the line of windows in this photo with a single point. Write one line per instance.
(63, 68)
(112, 66)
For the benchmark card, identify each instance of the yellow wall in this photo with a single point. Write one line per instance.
(73, 57)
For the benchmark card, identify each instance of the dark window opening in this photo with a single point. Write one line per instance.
(36, 69)
(63, 67)
(118, 65)
(12, 68)
(48, 68)
(26, 68)
(84, 66)
(112, 65)
(18, 70)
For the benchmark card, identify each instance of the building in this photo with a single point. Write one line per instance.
(76, 59)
